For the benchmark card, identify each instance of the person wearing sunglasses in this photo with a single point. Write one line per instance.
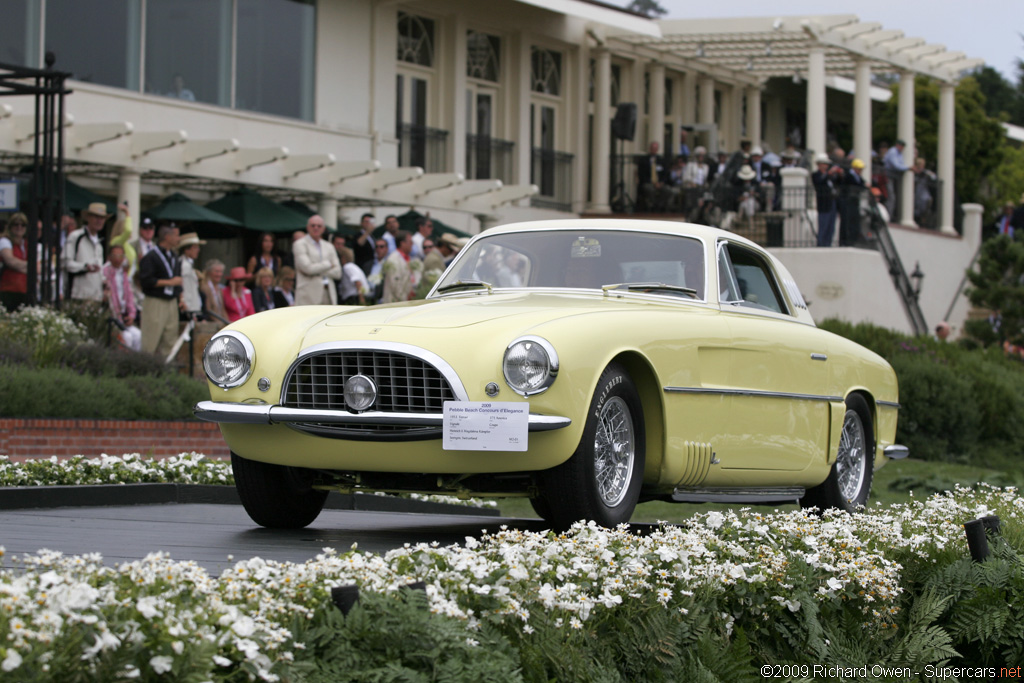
(14, 258)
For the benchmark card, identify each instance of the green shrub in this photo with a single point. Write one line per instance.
(43, 331)
(938, 418)
(93, 359)
(63, 393)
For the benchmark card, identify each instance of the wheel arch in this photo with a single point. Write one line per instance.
(652, 402)
(869, 399)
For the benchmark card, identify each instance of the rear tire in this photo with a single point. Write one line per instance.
(602, 479)
(849, 483)
(276, 496)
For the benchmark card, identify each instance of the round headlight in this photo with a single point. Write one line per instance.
(228, 359)
(360, 392)
(530, 365)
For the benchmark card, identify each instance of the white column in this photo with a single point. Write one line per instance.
(754, 131)
(457, 115)
(602, 131)
(129, 190)
(707, 104)
(327, 207)
(519, 92)
(905, 130)
(972, 225)
(816, 100)
(947, 148)
(862, 117)
(688, 98)
(657, 112)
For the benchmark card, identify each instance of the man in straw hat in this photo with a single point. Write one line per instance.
(83, 255)
(188, 247)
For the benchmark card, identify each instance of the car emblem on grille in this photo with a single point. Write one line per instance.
(360, 392)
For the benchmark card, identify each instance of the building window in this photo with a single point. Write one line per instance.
(483, 56)
(276, 57)
(415, 39)
(97, 41)
(257, 55)
(19, 34)
(546, 71)
(202, 73)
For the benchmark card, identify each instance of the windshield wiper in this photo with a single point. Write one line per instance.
(465, 284)
(655, 286)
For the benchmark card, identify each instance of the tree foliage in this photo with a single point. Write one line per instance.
(650, 8)
(997, 284)
(1004, 101)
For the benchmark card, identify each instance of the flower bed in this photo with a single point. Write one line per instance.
(722, 594)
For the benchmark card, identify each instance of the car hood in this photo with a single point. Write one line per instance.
(529, 309)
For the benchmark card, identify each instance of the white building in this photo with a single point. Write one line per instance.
(477, 112)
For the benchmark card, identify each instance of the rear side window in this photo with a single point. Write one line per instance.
(746, 279)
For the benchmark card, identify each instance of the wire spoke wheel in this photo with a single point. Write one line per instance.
(614, 450)
(850, 462)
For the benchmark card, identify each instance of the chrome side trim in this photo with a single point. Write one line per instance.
(395, 347)
(896, 452)
(751, 392)
(887, 404)
(245, 413)
(778, 494)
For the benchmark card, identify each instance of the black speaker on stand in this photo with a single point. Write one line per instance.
(623, 128)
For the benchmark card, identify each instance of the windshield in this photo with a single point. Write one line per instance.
(580, 259)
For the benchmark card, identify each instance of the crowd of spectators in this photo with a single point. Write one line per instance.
(151, 285)
(748, 182)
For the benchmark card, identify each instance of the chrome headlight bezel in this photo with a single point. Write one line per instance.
(248, 351)
(542, 378)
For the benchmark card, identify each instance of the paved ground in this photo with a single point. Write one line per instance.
(209, 533)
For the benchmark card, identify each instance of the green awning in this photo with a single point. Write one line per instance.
(256, 212)
(179, 208)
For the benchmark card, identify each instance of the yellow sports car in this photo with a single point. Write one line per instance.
(587, 364)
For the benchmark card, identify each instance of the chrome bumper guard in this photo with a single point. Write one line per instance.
(245, 413)
(896, 452)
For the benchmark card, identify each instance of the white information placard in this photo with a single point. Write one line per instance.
(482, 426)
(8, 195)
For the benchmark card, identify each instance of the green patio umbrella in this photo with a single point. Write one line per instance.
(298, 207)
(177, 207)
(256, 212)
(77, 198)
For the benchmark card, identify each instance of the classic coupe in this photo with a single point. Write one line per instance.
(589, 365)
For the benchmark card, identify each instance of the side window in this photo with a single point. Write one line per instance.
(746, 279)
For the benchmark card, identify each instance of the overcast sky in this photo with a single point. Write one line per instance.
(987, 29)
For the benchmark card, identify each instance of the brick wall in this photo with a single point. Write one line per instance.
(22, 439)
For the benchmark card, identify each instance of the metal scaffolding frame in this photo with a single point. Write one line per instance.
(45, 205)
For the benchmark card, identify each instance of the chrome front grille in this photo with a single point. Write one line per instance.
(405, 383)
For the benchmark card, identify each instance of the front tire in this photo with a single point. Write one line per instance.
(276, 496)
(849, 483)
(602, 479)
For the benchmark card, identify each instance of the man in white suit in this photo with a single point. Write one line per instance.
(316, 266)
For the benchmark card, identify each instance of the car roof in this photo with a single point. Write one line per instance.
(640, 225)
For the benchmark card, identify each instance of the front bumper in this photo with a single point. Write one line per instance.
(247, 413)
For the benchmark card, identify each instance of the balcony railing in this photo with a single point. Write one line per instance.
(489, 158)
(424, 147)
(551, 171)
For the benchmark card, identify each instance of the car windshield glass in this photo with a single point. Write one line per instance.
(581, 259)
